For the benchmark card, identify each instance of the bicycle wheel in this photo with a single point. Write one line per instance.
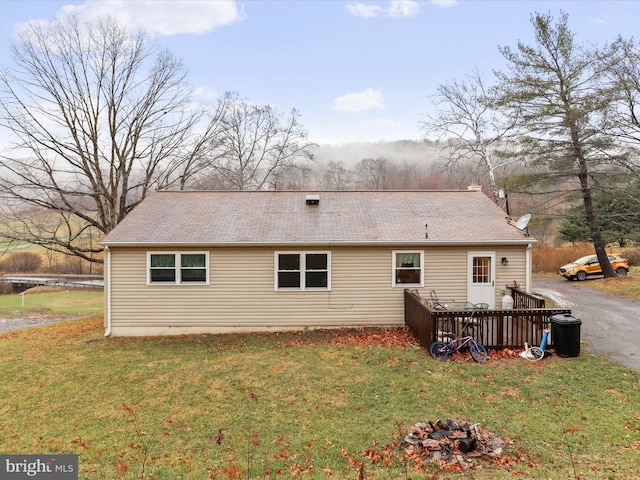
(478, 352)
(534, 354)
(438, 350)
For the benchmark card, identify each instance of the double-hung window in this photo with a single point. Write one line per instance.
(178, 268)
(408, 268)
(302, 270)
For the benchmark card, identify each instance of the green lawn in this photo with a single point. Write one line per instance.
(52, 301)
(308, 405)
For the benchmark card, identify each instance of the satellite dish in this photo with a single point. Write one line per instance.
(522, 222)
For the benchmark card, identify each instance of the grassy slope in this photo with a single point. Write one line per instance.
(304, 405)
(53, 301)
(628, 286)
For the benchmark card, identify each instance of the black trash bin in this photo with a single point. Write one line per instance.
(565, 334)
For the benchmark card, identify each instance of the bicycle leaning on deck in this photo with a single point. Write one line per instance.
(444, 350)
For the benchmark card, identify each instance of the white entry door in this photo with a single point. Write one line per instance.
(481, 284)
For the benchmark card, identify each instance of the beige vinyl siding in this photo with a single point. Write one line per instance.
(446, 270)
(516, 270)
(241, 294)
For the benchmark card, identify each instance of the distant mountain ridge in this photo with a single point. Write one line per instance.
(396, 152)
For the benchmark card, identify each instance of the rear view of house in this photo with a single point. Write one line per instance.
(213, 262)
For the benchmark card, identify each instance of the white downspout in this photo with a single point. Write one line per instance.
(528, 268)
(107, 291)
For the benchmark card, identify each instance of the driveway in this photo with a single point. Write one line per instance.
(34, 319)
(609, 323)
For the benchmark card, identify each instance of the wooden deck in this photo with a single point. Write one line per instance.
(495, 329)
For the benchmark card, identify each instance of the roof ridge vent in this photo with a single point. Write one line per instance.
(313, 199)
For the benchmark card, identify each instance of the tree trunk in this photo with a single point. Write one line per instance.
(592, 220)
(583, 176)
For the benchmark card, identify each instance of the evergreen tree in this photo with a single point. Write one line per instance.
(553, 92)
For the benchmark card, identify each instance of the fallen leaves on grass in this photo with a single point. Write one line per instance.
(385, 337)
(453, 446)
(391, 336)
(494, 355)
(369, 336)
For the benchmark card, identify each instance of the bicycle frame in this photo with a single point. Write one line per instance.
(440, 349)
(470, 326)
(457, 344)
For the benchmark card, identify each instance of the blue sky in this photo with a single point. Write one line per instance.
(355, 70)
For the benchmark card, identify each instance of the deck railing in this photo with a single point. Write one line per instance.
(525, 300)
(510, 328)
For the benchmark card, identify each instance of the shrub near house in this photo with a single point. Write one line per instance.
(23, 262)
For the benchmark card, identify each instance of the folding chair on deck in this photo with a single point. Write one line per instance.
(437, 303)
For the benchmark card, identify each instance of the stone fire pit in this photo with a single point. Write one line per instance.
(451, 443)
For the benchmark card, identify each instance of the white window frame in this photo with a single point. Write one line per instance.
(178, 267)
(394, 267)
(303, 270)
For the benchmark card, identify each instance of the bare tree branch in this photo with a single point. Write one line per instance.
(257, 145)
(474, 130)
(97, 118)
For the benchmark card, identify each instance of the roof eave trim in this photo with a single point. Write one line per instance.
(525, 241)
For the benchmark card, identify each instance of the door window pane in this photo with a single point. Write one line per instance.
(481, 269)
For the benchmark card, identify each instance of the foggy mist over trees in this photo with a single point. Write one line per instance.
(95, 117)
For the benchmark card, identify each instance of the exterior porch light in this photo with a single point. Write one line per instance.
(505, 261)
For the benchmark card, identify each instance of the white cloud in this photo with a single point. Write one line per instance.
(444, 3)
(403, 8)
(163, 17)
(394, 9)
(357, 102)
(365, 11)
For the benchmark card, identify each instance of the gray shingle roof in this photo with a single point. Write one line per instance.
(342, 217)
